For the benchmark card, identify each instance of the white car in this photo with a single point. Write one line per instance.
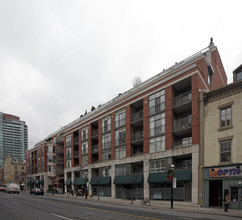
(12, 188)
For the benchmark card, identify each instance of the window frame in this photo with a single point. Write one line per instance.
(222, 108)
(229, 140)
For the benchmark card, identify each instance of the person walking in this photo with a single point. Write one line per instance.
(226, 202)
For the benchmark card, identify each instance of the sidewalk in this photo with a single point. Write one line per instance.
(158, 205)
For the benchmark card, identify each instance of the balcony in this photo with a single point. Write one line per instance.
(184, 142)
(94, 134)
(59, 140)
(59, 160)
(76, 141)
(183, 125)
(137, 118)
(95, 149)
(183, 102)
(59, 150)
(60, 171)
(137, 137)
(76, 154)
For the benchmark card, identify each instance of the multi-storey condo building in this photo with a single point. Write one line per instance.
(123, 148)
(13, 137)
(221, 146)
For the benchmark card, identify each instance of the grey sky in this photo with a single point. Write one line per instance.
(59, 58)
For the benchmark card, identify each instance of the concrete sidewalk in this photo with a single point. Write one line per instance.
(158, 205)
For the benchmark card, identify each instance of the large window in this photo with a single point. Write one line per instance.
(68, 141)
(106, 124)
(121, 171)
(84, 133)
(225, 150)
(84, 160)
(106, 155)
(68, 153)
(157, 102)
(120, 137)
(106, 141)
(157, 125)
(157, 165)
(120, 152)
(120, 117)
(84, 148)
(157, 144)
(225, 117)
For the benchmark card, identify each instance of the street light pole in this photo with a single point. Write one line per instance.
(85, 174)
(172, 168)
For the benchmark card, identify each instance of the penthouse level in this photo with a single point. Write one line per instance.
(125, 146)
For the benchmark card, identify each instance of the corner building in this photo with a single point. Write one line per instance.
(123, 148)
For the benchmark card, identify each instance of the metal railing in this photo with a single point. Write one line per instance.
(137, 136)
(137, 116)
(182, 99)
(182, 123)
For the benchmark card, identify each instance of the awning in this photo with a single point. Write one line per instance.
(129, 179)
(68, 182)
(80, 181)
(102, 180)
(181, 175)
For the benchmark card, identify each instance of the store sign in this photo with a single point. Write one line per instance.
(225, 172)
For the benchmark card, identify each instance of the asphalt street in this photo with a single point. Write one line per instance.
(26, 207)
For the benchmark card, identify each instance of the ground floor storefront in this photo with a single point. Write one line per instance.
(218, 180)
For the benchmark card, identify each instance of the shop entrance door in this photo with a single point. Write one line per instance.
(215, 193)
(236, 198)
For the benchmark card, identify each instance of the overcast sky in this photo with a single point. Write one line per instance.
(58, 58)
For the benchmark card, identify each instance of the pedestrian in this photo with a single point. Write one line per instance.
(226, 202)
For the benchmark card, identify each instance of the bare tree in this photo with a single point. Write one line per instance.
(137, 80)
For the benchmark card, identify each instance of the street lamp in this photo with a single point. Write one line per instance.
(85, 175)
(172, 168)
(53, 177)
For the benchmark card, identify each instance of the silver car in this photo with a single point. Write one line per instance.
(12, 188)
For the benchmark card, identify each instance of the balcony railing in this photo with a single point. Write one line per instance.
(183, 123)
(76, 141)
(137, 136)
(137, 116)
(95, 148)
(59, 150)
(59, 140)
(94, 133)
(60, 171)
(185, 142)
(182, 99)
(76, 154)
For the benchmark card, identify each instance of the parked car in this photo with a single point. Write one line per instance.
(36, 191)
(12, 188)
(2, 188)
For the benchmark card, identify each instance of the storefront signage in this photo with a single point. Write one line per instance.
(225, 172)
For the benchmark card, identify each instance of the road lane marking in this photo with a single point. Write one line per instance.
(102, 210)
(15, 203)
(61, 216)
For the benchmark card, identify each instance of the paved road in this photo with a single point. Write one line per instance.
(30, 207)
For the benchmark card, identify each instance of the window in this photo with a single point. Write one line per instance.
(121, 170)
(157, 125)
(106, 171)
(85, 133)
(106, 155)
(120, 153)
(50, 159)
(120, 117)
(106, 141)
(225, 117)
(50, 149)
(157, 102)
(225, 150)
(68, 153)
(68, 164)
(239, 76)
(84, 160)
(120, 137)
(106, 124)
(68, 141)
(157, 166)
(84, 148)
(51, 168)
(157, 144)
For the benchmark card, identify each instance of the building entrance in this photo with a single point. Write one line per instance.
(215, 193)
(236, 197)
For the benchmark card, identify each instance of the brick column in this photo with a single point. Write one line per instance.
(168, 117)
(113, 136)
(45, 158)
(100, 140)
(146, 125)
(64, 151)
(195, 109)
(72, 150)
(128, 131)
